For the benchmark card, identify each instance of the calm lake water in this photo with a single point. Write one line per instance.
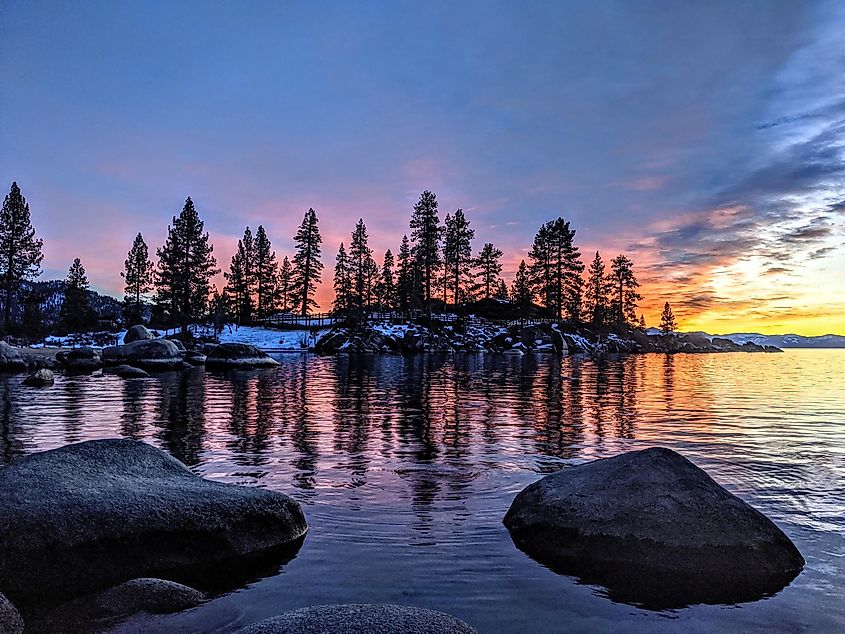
(406, 466)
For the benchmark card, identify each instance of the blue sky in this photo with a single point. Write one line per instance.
(704, 139)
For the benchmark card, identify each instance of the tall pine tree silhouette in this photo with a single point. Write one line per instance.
(342, 282)
(625, 296)
(425, 236)
(241, 279)
(266, 272)
(284, 286)
(138, 280)
(596, 292)
(405, 282)
(556, 270)
(386, 290)
(668, 323)
(457, 254)
(488, 271)
(307, 266)
(20, 250)
(521, 288)
(76, 314)
(361, 268)
(186, 265)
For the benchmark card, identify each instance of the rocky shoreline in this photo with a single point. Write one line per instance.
(142, 351)
(518, 339)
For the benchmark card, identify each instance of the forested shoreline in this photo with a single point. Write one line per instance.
(435, 269)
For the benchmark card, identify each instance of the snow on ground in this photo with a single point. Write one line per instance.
(262, 338)
(268, 339)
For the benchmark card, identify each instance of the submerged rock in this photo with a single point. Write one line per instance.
(238, 355)
(129, 372)
(10, 619)
(148, 354)
(360, 618)
(138, 333)
(80, 360)
(11, 359)
(41, 378)
(102, 610)
(655, 530)
(94, 514)
(194, 357)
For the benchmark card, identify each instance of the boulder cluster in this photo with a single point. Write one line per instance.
(517, 338)
(92, 522)
(412, 338)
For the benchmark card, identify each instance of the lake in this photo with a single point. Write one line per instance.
(405, 467)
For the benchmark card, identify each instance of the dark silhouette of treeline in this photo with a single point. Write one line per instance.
(435, 269)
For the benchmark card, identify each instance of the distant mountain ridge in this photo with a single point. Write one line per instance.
(779, 341)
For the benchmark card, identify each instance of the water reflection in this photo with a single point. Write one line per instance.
(424, 446)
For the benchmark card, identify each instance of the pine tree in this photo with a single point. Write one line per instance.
(342, 282)
(241, 280)
(425, 235)
(668, 323)
(185, 268)
(406, 282)
(596, 295)
(32, 320)
(306, 264)
(361, 268)
(489, 269)
(521, 288)
(556, 270)
(501, 291)
(218, 310)
(457, 253)
(20, 250)
(624, 284)
(76, 314)
(138, 280)
(266, 272)
(642, 321)
(284, 288)
(387, 285)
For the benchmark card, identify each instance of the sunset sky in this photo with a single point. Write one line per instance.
(706, 140)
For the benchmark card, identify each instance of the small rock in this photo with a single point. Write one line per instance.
(41, 378)
(155, 596)
(10, 619)
(11, 359)
(99, 611)
(194, 357)
(228, 356)
(130, 372)
(149, 354)
(138, 333)
(80, 360)
(360, 618)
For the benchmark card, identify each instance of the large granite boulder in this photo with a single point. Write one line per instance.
(94, 514)
(80, 360)
(360, 618)
(138, 333)
(10, 619)
(148, 354)
(11, 359)
(41, 378)
(227, 356)
(653, 528)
